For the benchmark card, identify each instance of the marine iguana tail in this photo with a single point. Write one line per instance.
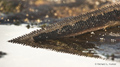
(73, 26)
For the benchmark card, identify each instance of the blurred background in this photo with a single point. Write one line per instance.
(44, 12)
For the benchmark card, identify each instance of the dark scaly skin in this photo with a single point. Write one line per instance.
(73, 26)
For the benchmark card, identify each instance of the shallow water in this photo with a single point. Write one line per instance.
(26, 56)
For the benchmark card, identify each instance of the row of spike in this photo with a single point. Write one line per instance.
(70, 20)
(85, 16)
